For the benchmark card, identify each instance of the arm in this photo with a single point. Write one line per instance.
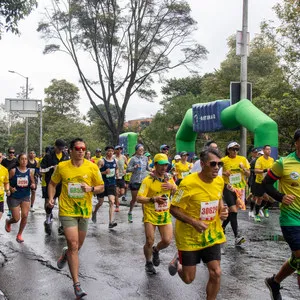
(178, 213)
(158, 199)
(51, 192)
(32, 180)
(131, 167)
(7, 188)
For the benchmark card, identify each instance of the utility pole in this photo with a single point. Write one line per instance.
(244, 79)
(26, 121)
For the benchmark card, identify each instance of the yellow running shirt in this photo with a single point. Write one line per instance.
(73, 202)
(182, 170)
(153, 212)
(199, 200)
(262, 163)
(237, 178)
(3, 179)
(96, 159)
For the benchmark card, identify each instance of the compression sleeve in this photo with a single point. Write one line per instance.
(268, 185)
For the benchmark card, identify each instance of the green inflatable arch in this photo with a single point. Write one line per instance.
(243, 113)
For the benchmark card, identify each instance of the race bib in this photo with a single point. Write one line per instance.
(75, 191)
(235, 178)
(184, 174)
(112, 173)
(162, 207)
(209, 210)
(22, 181)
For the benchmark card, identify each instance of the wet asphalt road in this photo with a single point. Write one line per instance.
(112, 262)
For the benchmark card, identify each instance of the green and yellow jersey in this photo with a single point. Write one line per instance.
(199, 200)
(73, 202)
(182, 170)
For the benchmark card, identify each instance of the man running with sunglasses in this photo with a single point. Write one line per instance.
(235, 170)
(80, 178)
(198, 208)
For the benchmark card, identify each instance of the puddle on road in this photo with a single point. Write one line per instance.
(276, 237)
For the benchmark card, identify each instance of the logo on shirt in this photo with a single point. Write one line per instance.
(294, 175)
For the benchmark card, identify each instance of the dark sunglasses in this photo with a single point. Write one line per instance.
(11, 152)
(234, 149)
(77, 148)
(165, 149)
(214, 163)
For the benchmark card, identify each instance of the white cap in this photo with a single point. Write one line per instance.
(177, 157)
(232, 144)
(261, 152)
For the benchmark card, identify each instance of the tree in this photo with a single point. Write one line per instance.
(130, 44)
(12, 11)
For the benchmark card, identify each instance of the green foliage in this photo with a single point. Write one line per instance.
(12, 11)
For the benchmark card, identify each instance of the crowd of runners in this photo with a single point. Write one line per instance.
(203, 195)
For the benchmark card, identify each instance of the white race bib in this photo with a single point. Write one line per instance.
(209, 210)
(75, 191)
(112, 173)
(235, 178)
(22, 181)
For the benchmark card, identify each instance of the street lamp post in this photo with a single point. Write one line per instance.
(26, 118)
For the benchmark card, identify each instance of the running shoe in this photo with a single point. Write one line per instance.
(261, 213)
(63, 258)
(150, 268)
(266, 213)
(155, 257)
(48, 227)
(251, 214)
(112, 225)
(274, 288)
(7, 225)
(130, 217)
(117, 209)
(94, 217)
(239, 241)
(79, 292)
(173, 265)
(60, 230)
(123, 198)
(19, 238)
(257, 218)
(32, 209)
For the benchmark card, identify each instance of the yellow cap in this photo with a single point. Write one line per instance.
(161, 159)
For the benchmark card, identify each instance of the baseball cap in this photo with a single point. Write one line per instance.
(118, 147)
(147, 154)
(232, 144)
(254, 150)
(183, 153)
(163, 147)
(177, 156)
(109, 147)
(60, 144)
(98, 150)
(161, 159)
(297, 135)
(260, 152)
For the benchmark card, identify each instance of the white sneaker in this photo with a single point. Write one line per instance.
(251, 214)
(261, 213)
(239, 241)
(32, 209)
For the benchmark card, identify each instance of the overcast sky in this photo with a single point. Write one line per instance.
(217, 20)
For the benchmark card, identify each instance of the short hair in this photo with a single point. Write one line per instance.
(265, 146)
(73, 142)
(204, 154)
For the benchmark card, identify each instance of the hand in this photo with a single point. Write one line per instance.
(8, 193)
(227, 173)
(107, 171)
(241, 165)
(199, 226)
(160, 199)
(13, 189)
(167, 186)
(86, 188)
(32, 186)
(224, 213)
(288, 199)
(51, 203)
(136, 166)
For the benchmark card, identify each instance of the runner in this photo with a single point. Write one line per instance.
(4, 185)
(287, 171)
(198, 208)
(80, 179)
(138, 165)
(109, 170)
(235, 171)
(122, 164)
(97, 156)
(182, 168)
(32, 165)
(21, 181)
(154, 194)
(262, 165)
(52, 158)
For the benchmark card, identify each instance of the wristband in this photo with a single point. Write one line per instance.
(151, 200)
(93, 188)
(265, 170)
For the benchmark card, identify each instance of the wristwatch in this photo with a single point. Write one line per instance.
(93, 188)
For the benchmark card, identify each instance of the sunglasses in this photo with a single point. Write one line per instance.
(11, 152)
(165, 149)
(234, 149)
(77, 148)
(213, 164)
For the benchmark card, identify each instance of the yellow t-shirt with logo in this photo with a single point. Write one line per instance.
(153, 212)
(4, 178)
(237, 178)
(262, 163)
(73, 202)
(182, 170)
(199, 200)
